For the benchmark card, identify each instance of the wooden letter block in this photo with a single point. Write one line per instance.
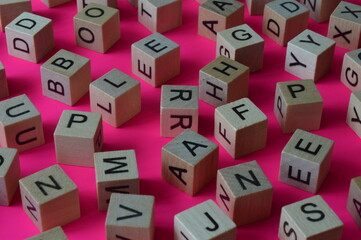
(351, 70)
(206, 221)
(130, 217)
(320, 10)
(179, 109)
(116, 172)
(284, 20)
(298, 105)
(244, 193)
(309, 219)
(50, 198)
(215, 16)
(354, 200)
(345, 26)
(9, 174)
(65, 77)
(77, 137)
(116, 96)
(83, 3)
(309, 55)
(97, 27)
(241, 44)
(305, 161)
(160, 15)
(20, 124)
(223, 81)
(56, 233)
(4, 90)
(256, 7)
(54, 3)
(189, 162)
(354, 113)
(30, 37)
(10, 9)
(240, 127)
(155, 59)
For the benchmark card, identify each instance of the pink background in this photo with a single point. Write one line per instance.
(142, 132)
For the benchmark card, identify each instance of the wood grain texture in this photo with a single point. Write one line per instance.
(54, 3)
(351, 70)
(256, 7)
(10, 9)
(83, 3)
(56, 233)
(320, 10)
(353, 118)
(9, 174)
(4, 89)
(354, 200)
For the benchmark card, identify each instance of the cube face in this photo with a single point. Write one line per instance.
(30, 37)
(10, 9)
(9, 174)
(54, 3)
(320, 10)
(77, 137)
(189, 162)
(298, 105)
(116, 96)
(204, 221)
(222, 81)
(83, 3)
(354, 113)
(256, 7)
(55, 233)
(155, 59)
(240, 127)
(4, 90)
(97, 27)
(351, 70)
(50, 198)
(308, 219)
(354, 200)
(244, 193)
(284, 19)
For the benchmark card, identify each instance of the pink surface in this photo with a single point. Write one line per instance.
(142, 132)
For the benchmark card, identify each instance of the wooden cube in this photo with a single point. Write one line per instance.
(160, 15)
(189, 162)
(97, 27)
(223, 81)
(241, 44)
(205, 221)
(320, 10)
(77, 137)
(54, 3)
(30, 37)
(298, 105)
(130, 217)
(10, 9)
(256, 7)
(116, 96)
(56, 233)
(215, 16)
(354, 113)
(351, 70)
(4, 90)
(66, 77)
(244, 193)
(240, 127)
(50, 198)
(309, 219)
(305, 161)
(155, 59)
(9, 174)
(116, 172)
(20, 124)
(83, 3)
(178, 109)
(284, 20)
(354, 200)
(309, 55)
(345, 26)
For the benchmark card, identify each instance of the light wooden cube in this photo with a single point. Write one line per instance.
(65, 77)
(189, 162)
(298, 105)
(320, 10)
(77, 137)
(54, 3)
(256, 7)
(178, 109)
(244, 193)
(240, 127)
(205, 221)
(353, 118)
(309, 55)
(305, 161)
(284, 20)
(10, 9)
(20, 124)
(155, 59)
(115, 171)
(160, 15)
(351, 70)
(83, 3)
(9, 174)
(309, 219)
(345, 26)
(97, 27)
(116, 96)
(354, 200)
(4, 90)
(50, 198)
(241, 44)
(223, 81)
(30, 37)
(56, 233)
(130, 217)
(215, 16)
